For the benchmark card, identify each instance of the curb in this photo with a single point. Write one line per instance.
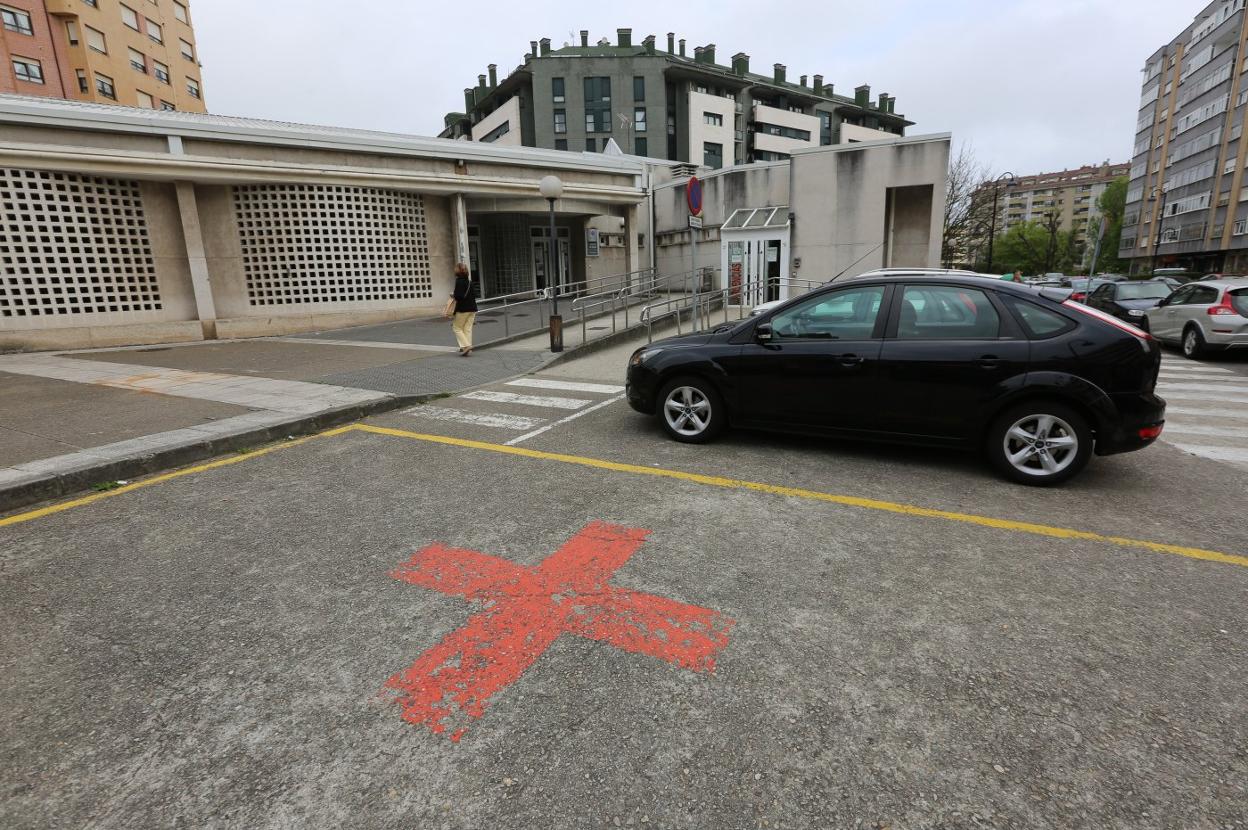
(39, 487)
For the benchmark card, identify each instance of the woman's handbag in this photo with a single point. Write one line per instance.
(449, 311)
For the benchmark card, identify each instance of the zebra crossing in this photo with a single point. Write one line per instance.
(526, 407)
(1206, 409)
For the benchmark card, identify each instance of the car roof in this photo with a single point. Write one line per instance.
(936, 275)
(1231, 282)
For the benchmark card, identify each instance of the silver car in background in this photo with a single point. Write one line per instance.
(1203, 317)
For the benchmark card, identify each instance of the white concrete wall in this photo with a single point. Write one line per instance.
(700, 132)
(852, 133)
(508, 112)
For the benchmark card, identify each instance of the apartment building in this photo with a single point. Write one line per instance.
(1069, 196)
(665, 104)
(140, 53)
(1187, 204)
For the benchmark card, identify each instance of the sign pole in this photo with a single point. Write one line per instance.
(693, 193)
(1096, 254)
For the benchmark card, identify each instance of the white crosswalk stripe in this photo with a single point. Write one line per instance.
(1206, 410)
(527, 400)
(567, 386)
(484, 419)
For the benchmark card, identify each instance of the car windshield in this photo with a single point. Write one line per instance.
(1078, 285)
(1144, 291)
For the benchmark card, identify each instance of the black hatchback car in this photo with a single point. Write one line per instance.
(1038, 382)
(1129, 300)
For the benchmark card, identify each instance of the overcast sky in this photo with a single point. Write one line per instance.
(1032, 85)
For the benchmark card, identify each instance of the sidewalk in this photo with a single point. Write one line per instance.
(70, 421)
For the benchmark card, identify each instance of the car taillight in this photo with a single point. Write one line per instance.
(1223, 308)
(1078, 296)
(1149, 433)
(1143, 336)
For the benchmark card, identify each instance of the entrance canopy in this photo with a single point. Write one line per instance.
(755, 219)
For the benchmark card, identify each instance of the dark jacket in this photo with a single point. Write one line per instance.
(464, 300)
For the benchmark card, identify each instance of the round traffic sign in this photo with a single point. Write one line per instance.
(694, 191)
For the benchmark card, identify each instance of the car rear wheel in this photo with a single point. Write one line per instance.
(691, 410)
(1193, 343)
(1040, 443)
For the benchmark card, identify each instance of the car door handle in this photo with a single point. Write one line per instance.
(851, 360)
(989, 361)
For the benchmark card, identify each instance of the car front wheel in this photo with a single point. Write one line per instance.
(691, 410)
(1040, 443)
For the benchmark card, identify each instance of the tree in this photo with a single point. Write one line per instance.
(1111, 204)
(966, 216)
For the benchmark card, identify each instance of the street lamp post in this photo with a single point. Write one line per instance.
(551, 188)
(992, 224)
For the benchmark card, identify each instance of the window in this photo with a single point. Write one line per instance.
(16, 20)
(95, 40)
(129, 17)
(942, 312)
(561, 122)
(589, 145)
(160, 71)
(493, 135)
(849, 314)
(138, 60)
(192, 86)
(640, 147)
(825, 128)
(639, 119)
(639, 88)
(82, 81)
(153, 31)
(28, 70)
(561, 144)
(104, 86)
(1039, 323)
(168, 107)
(71, 32)
(713, 118)
(556, 90)
(597, 105)
(91, 3)
(712, 154)
(188, 51)
(146, 101)
(179, 11)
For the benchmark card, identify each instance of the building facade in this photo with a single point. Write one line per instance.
(664, 104)
(1187, 205)
(139, 54)
(1069, 197)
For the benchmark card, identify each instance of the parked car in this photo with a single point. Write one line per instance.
(1129, 300)
(1078, 287)
(875, 272)
(1212, 277)
(1036, 381)
(1181, 274)
(1203, 317)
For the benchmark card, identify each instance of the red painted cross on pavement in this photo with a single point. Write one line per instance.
(527, 609)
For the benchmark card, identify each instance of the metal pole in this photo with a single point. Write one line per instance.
(556, 322)
(992, 222)
(1096, 253)
(697, 282)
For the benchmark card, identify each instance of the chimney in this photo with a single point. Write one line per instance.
(671, 43)
(708, 53)
(470, 100)
(624, 36)
(481, 82)
(740, 63)
(584, 38)
(493, 75)
(682, 47)
(883, 105)
(778, 73)
(533, 48)
(803, 80)
(649, 44)
(698, 54)
(545, 46)
(818, 84)
(892, 104)
(862, 95)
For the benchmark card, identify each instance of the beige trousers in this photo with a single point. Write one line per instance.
(462, 326)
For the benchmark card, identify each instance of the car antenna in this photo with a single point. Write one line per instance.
(856, 261)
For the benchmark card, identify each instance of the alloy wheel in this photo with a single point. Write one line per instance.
(687, 410)
(1041, 445)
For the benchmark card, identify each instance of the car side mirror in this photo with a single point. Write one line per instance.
(1163, 301)
(762, 332)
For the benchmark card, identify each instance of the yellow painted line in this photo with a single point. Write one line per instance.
(31, 515)
(814, 495)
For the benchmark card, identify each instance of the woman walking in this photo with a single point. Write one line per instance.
(465, 309)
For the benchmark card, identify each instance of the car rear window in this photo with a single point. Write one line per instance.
(1143, 291)
(1239, 301)
(1038, 322)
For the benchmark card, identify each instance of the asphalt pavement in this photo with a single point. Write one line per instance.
(524, 606)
